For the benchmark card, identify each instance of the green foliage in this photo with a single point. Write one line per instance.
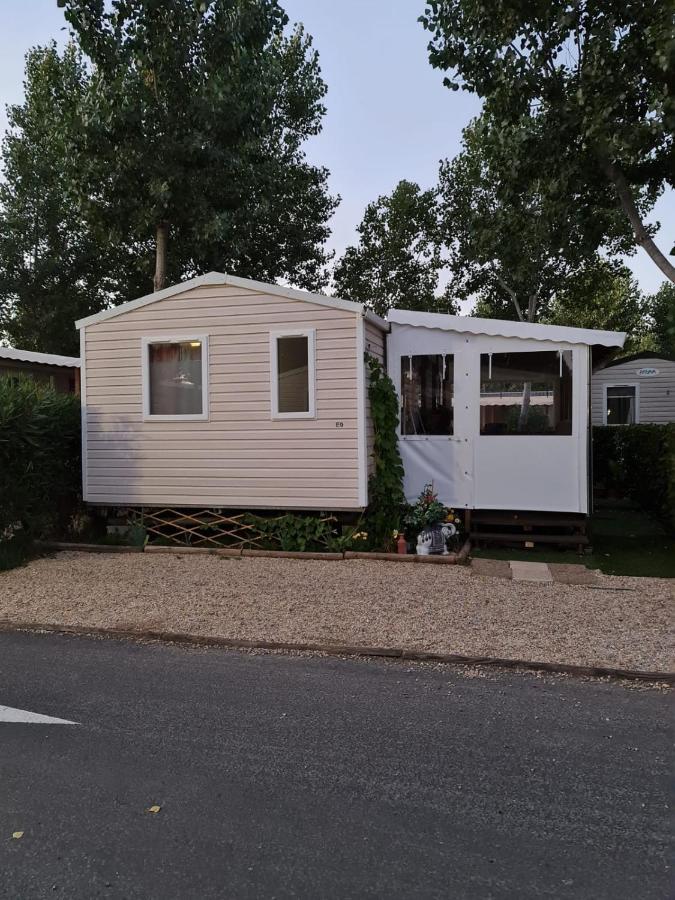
(511, 247)
(398, 258)
(661, 311)
(385, 486)
(427, 510)
(193, 120)
(39, 457)
(301, 533)
(52, 269)
(606, 297)
(638, 461)
(581, 94)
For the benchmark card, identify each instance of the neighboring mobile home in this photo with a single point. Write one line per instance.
(636, 390)
(224, 392)
(59, 372)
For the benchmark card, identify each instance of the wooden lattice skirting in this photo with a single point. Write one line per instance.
(202, 528)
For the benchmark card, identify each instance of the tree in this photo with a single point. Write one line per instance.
(604, 296)
(590, 89)
(661, 312)
(193, 123)
(398, 258)
(510, 250)
(52, 270)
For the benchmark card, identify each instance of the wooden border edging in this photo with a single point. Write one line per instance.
(88, 548)
(343, 650)
(452, 559)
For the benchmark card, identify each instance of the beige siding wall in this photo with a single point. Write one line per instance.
(240, 457)
(375, 340)
(656, 392)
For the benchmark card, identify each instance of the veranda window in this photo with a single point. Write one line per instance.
(526, 393)
(175, 378)
(427, 385)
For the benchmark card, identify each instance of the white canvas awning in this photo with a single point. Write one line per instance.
(506, 328)
(46, 359)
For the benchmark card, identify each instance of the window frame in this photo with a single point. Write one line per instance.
(620, 384)
(310, 334)
(182, 338)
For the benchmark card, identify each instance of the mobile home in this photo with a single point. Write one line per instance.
(635, 390)
(224, 392)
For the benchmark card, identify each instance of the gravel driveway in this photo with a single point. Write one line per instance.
(625, 622)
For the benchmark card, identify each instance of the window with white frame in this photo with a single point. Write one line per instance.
(175, 379)
(292, 374)
(621, 404)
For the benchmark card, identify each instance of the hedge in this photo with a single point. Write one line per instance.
(40, 458)
(638, 461)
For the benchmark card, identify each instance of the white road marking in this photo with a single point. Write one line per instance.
(9, 714)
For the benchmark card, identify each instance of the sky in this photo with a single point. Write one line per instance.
(388, 115)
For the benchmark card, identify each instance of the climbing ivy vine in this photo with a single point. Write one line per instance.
(385, 486)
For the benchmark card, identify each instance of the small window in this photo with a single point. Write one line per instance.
(175, 379)
(292, 374)
(526, 393)
(427, 394)
(621, 405)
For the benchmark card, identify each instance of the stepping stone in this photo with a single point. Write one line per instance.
(569, 573)
(493, 568)
(530, 571)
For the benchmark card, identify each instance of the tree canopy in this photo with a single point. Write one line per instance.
(52, 268)
(192, 126)
(397, 261)
(510, 249)
(584, 91)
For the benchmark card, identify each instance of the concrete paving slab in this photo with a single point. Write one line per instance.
(530, 571)
(493, 568)
(570, 573)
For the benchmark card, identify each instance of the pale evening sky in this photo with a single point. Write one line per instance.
(389, 116)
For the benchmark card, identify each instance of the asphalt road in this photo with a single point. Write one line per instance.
(284, 776)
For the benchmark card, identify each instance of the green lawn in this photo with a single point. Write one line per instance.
(625, 541)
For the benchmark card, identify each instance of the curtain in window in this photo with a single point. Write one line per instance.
(175, 378)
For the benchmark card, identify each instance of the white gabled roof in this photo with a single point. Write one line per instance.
(232, 281)
(507, 328)
(47, 359)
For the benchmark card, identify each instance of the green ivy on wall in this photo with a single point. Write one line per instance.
(385, 486)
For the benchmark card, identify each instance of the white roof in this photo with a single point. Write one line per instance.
(232, 281)
(47, 359)
(506, 328)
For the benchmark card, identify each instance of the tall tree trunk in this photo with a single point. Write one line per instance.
(159, 280)
(642, 238)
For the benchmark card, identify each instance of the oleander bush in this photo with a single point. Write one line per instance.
(638, 461)
(40, 460)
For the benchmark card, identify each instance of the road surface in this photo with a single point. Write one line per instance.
(280, 776)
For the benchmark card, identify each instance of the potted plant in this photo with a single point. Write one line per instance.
(430, 522)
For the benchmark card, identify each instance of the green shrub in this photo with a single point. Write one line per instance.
(638, 461)
(40, 457)
(308, 532)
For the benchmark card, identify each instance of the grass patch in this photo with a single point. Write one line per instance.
(625, 541)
